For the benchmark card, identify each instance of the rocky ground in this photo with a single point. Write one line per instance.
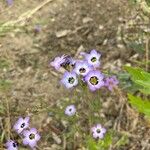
(67, 26)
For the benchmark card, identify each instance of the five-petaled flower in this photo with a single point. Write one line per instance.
(70, 110)
(111, 82)
(93, 58)
(21, 124)
(31, 137)
(11, 145)
(69, 79)
(58, 61)
(98, 131)
(94, 80)
(82, 68)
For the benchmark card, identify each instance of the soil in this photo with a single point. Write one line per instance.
(66, 27)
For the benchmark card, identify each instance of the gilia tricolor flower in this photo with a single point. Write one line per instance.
(111, 82)
(70, 110)
(94, 80)
(11, 145)
(93, 58)
(21, 124)
(98, 131)
(69, 79)
(31, 137)
(82, 68)
(58, 61)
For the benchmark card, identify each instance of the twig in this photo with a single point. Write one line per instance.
(25, 16)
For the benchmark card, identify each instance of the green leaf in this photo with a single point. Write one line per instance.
(143, 106)
(106, 142)
(136, 73)
(141, 78)
(102, 144)
(91, 144)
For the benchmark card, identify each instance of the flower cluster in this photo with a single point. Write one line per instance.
(30, 135)
(87, 69)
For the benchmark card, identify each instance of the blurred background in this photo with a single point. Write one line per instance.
(32, 33)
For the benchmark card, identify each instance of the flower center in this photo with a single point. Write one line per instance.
(14, 144)
(94, 80)
(70, 109)
(82, 70)
(93, 59)
(32, 136)
(22, 125)
(71, 80)
(98, 130)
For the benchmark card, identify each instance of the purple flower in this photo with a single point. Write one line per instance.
(11, 145)
(58, 61)
(82, 68)
(92, 58)
(69, 79)
(94, 80)
(70, 110)
(111, 82)
(31, 137)
(9, 2)
(70, 60)
(21, 124)
(98, 131)
(37, 28)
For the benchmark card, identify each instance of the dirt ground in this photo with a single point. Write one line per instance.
(67, 26)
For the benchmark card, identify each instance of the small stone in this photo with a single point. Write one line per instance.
(87, 19)
(62, 33)
(101, 27)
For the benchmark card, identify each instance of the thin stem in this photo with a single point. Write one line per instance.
(8, 116)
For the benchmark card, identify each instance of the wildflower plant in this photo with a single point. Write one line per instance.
(11, 145)
(29, 136)
(21, 124)
(86, 81)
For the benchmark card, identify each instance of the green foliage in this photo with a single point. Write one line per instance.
(103, 144)
(132, 1)
(3, 63)
(122, 141)
(148, 2)
(141, 78)
(4, 85)
(141, 105)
